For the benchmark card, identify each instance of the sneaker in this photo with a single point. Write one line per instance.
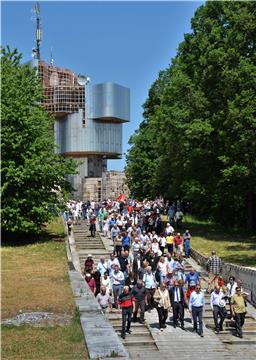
(123, 336)
(128, 331)
(164, 326)
(161, 329)
(216, 331)
(202, 335)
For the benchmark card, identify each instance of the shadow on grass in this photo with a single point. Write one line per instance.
(22, 239)
(250, 246)
(215, 232)
(243, 259)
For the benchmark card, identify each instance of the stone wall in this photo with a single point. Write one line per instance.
(247, 276)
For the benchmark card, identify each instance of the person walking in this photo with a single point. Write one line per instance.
(178, 243)
(196, 305)
(214, 268)
(178, 304)
(163, 305)
(169, 243)
(102, 266)
(186, 243)
(238, 308)
(69, 225)
(104, 299)
(92, 227)
(117, 279)
(126, 303)
(139, 293)
(150, 285)
(218, 306)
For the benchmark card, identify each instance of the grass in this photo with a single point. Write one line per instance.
(232, 246)
(27, 342)
(34, 278)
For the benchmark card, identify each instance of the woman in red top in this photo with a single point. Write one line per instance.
(89, 264)
(90, 282)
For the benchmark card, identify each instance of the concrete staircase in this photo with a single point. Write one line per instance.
(147, 342)
(140, 338)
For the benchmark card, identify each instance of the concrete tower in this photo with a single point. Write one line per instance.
(88, 118)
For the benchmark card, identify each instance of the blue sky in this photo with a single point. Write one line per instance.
(124, 42)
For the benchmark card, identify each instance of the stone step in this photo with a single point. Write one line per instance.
(88, 247)
(245, 331)
(136, 353)
(209, 315)
(135, 331)
(143, 342)
(237, 341)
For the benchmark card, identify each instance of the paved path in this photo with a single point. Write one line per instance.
(147, 342)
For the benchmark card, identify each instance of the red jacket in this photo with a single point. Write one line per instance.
(126, 300)
(177, 240)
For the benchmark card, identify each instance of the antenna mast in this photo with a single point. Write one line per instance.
(36, 51)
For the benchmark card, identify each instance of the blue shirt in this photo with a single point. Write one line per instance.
(192, 277)
(126, 241)
(196, 299)
(111, 222)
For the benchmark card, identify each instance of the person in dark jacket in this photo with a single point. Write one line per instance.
(178, 303)
(139, 293)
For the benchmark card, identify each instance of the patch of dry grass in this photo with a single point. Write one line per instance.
(35, 278)
(52, 343)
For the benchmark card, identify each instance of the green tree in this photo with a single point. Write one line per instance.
(33, 175)
(206, 116)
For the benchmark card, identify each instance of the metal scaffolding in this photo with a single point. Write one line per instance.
(62, 93)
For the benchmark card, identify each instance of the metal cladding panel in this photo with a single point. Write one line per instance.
(110, 100)
(72, 136)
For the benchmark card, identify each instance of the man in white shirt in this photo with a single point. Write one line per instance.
(117, 279)
(150, 285)
(196, 304)
(231, 286)
(144, 237)
(169, 229)
(218, 304)
(102, 266)
(111, 264)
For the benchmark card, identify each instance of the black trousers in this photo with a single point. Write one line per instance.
(219, 315)
(239, 319)
(178, 312)
(93, 230)
(139, 305)
(118, 250)
(170, 248)
(126, 319)
(162, 316)
(197, 314)
(150, 297)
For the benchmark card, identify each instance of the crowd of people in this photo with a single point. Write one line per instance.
(147, 267)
